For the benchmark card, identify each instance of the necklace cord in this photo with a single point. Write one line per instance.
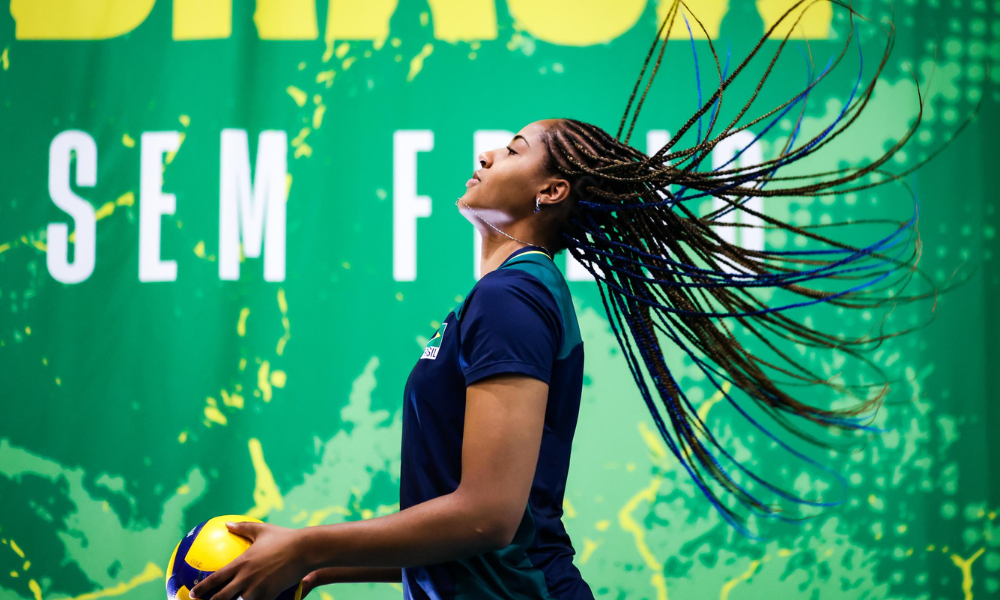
(501, 231)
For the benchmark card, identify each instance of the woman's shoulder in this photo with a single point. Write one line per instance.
(537, 277)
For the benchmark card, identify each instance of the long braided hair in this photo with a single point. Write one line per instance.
(662, 268)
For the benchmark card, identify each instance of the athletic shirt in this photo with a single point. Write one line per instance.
(518, 318)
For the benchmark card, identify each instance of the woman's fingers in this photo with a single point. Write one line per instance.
(205, 588)
(230, 592)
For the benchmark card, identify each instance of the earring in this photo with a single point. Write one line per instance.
(537, 200)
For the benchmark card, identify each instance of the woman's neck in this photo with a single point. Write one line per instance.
(495, 252)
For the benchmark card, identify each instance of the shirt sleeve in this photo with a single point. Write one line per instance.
(511, 324)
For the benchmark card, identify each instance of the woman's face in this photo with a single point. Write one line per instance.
(503, 190)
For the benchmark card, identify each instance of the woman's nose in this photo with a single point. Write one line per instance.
(483, 158)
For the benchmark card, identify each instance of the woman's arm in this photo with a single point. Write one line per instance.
(504, 419)
(503, 432)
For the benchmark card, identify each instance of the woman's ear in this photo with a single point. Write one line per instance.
(558, 190)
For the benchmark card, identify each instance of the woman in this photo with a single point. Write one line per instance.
(488, 418)
(491, 405)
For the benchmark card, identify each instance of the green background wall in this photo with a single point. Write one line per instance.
(131, 410)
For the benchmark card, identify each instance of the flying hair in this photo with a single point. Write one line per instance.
(667, 275)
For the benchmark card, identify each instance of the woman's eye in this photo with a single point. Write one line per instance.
(510, 151)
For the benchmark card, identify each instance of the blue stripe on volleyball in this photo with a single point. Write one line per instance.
(184, 574)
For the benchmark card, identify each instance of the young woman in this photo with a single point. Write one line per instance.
(491, 406)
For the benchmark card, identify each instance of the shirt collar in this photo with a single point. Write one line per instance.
(522, 251)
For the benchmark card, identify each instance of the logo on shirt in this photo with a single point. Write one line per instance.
(432, 347)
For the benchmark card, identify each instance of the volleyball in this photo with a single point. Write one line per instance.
(206, 549)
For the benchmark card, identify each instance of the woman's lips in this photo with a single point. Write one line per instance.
(471, 182)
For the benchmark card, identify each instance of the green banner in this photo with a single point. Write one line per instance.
(228, 230)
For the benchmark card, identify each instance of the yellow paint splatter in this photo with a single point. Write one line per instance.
(169, 157)
(399, 296)
(106, 209)
(5, 58)
(342, 49)
(589, 546)
(417, 62)
(729, 585)
(263, 381)
(36, 590)
(602, 525)
(212, 412)
(128, 141)
(302, 66)
(283, 307)
(966, 566)
(126, 199)
(184, 489)
(348, 62)
(26, 565)
(199, 249)
(58, 381)
(568, 509)
(149, 574)
(234, 400)
(4, 248)
(297, 95)
(183, 437)
(318, 516)
(278, 379)
(654, 443)
(243, 364)
(185, 120)
(16, 548)
(15, 574)
(326, 77)
(318, 114)
(630, 525)
(241, 325)
(27, 330)
(299, 143)
(266, 495)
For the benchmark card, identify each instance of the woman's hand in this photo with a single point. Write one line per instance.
(272, 564)
(319, 578)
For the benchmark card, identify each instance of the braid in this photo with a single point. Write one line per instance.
(662, 268)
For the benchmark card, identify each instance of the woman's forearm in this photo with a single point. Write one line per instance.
(449, 527)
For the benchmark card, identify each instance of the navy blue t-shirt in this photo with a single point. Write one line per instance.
(518, 318)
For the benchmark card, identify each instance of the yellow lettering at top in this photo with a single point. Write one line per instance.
(813, 19)
(563, 22)
(575, 22)
(77, 19)
(464, 20)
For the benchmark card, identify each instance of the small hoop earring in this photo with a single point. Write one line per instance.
(537, 200)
